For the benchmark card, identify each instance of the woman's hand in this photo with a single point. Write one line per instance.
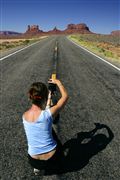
(55, 81)
(63, 99)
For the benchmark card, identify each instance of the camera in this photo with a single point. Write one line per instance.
(52, 87)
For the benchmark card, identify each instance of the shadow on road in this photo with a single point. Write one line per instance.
(84, 146)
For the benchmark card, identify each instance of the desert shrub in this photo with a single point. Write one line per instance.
(26, 41)
(21, 41)
(72, 36)
(10, 46)
(108, 53)
(117, 45)
(5, 42)
(101, 50)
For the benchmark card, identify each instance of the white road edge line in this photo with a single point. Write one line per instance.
(18, 51)
(94, 54)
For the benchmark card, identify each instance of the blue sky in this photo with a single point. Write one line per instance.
(101, 16)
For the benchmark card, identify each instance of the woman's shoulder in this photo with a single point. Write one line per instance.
(27, 113)
(31, 116)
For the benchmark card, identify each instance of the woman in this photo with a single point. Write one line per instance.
(43, 149)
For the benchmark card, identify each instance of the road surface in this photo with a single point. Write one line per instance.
(94, 97)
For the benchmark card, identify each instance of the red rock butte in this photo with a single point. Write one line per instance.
(71, 28)
(116, 33)
(34, 29)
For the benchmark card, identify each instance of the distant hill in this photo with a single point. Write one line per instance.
(116, 33)
(6, 33)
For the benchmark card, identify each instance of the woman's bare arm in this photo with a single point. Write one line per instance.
(62, 101)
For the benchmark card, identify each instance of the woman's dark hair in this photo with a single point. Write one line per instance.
(38, 93)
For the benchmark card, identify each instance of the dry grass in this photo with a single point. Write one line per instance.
(11, 40)
(6, 44)
(106, 46)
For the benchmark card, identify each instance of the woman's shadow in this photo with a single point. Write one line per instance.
(79, 150)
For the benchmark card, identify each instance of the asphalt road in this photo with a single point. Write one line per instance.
(94, 97)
